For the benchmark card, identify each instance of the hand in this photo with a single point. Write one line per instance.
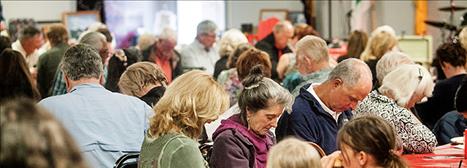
(328, 161)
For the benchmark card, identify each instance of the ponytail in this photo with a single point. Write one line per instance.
(395, 161)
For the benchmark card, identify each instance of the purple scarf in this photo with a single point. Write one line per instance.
(262, 144)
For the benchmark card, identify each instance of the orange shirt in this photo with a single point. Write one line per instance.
(165, 66)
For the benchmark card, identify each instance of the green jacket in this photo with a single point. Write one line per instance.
(170, 151)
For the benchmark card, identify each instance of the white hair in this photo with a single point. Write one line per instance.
(384, 28)
(313, 48)
(405, 81)
(389, 62)
(230, 40)
(168, 33)
(145, 40)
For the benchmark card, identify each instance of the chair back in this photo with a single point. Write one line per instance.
(129, 160)
(318, 148)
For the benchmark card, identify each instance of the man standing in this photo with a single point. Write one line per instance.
(105, 125)
(275, 44)
(163, 53)
(48, 62)
(321, 109)
(201, 54)
(30, 39)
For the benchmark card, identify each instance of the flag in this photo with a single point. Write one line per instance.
(360, 19)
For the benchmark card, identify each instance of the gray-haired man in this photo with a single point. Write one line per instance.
(201, 54)
(105, 125)
(321, 109)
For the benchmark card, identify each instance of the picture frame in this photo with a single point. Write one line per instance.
(280, 14)
(78, 22)
(296, 17)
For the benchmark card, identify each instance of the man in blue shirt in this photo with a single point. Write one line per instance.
(105, 125)
(321, 109)
(97, 41)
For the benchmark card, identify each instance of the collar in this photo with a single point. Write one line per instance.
(316, 74)
(334, 114)
(200, 46)
(86, 85)
(19, 47)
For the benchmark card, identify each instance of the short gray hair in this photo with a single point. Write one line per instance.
(94, 39)
(405, 81)
(312, 47)
(28, 32)
(167, 33)
(81, 61)
(206, 26)
(350, 71)
(389, 62)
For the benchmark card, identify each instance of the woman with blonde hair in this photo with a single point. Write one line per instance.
(400, 90)
(229, 41)
(30, 137)
(192, 99)
(380, 42)
(293, 153)
(144, 80)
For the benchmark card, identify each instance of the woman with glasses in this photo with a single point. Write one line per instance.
(400, 90)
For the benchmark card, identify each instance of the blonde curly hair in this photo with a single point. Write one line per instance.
(193, 99)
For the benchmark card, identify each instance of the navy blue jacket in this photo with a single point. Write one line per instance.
(451, 125)
(308, 121)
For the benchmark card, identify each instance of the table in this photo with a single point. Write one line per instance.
(443, 156)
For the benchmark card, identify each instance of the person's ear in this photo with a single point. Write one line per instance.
(362, 158)
(67, 83)
(337, 82)
(101, 80)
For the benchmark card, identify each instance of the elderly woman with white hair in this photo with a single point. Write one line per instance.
(399, 92)
(389, 62)
(229, 41)
(382, 40)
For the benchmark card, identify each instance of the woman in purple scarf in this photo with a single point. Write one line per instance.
(244, 139)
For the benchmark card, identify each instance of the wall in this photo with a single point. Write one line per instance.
(38, 10)
(239, 12)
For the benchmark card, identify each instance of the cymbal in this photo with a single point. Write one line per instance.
(440, 24)
(454, 8)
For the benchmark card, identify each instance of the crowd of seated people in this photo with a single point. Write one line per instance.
(281, 102)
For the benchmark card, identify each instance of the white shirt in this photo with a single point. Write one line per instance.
(195, 56)
(334, 114)
(31, 59)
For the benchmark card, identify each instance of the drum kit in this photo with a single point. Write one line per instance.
(442, 25)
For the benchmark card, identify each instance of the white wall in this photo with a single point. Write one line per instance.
(239, 12)
(38, 10)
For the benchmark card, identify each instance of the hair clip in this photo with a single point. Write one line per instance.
(252, 86)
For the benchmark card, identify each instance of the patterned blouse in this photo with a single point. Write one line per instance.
(232, 84)
(416, 137)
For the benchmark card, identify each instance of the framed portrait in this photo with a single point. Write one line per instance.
(280, 14)
(78, 22)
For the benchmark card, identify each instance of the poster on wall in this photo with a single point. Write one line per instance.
(78, 22)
